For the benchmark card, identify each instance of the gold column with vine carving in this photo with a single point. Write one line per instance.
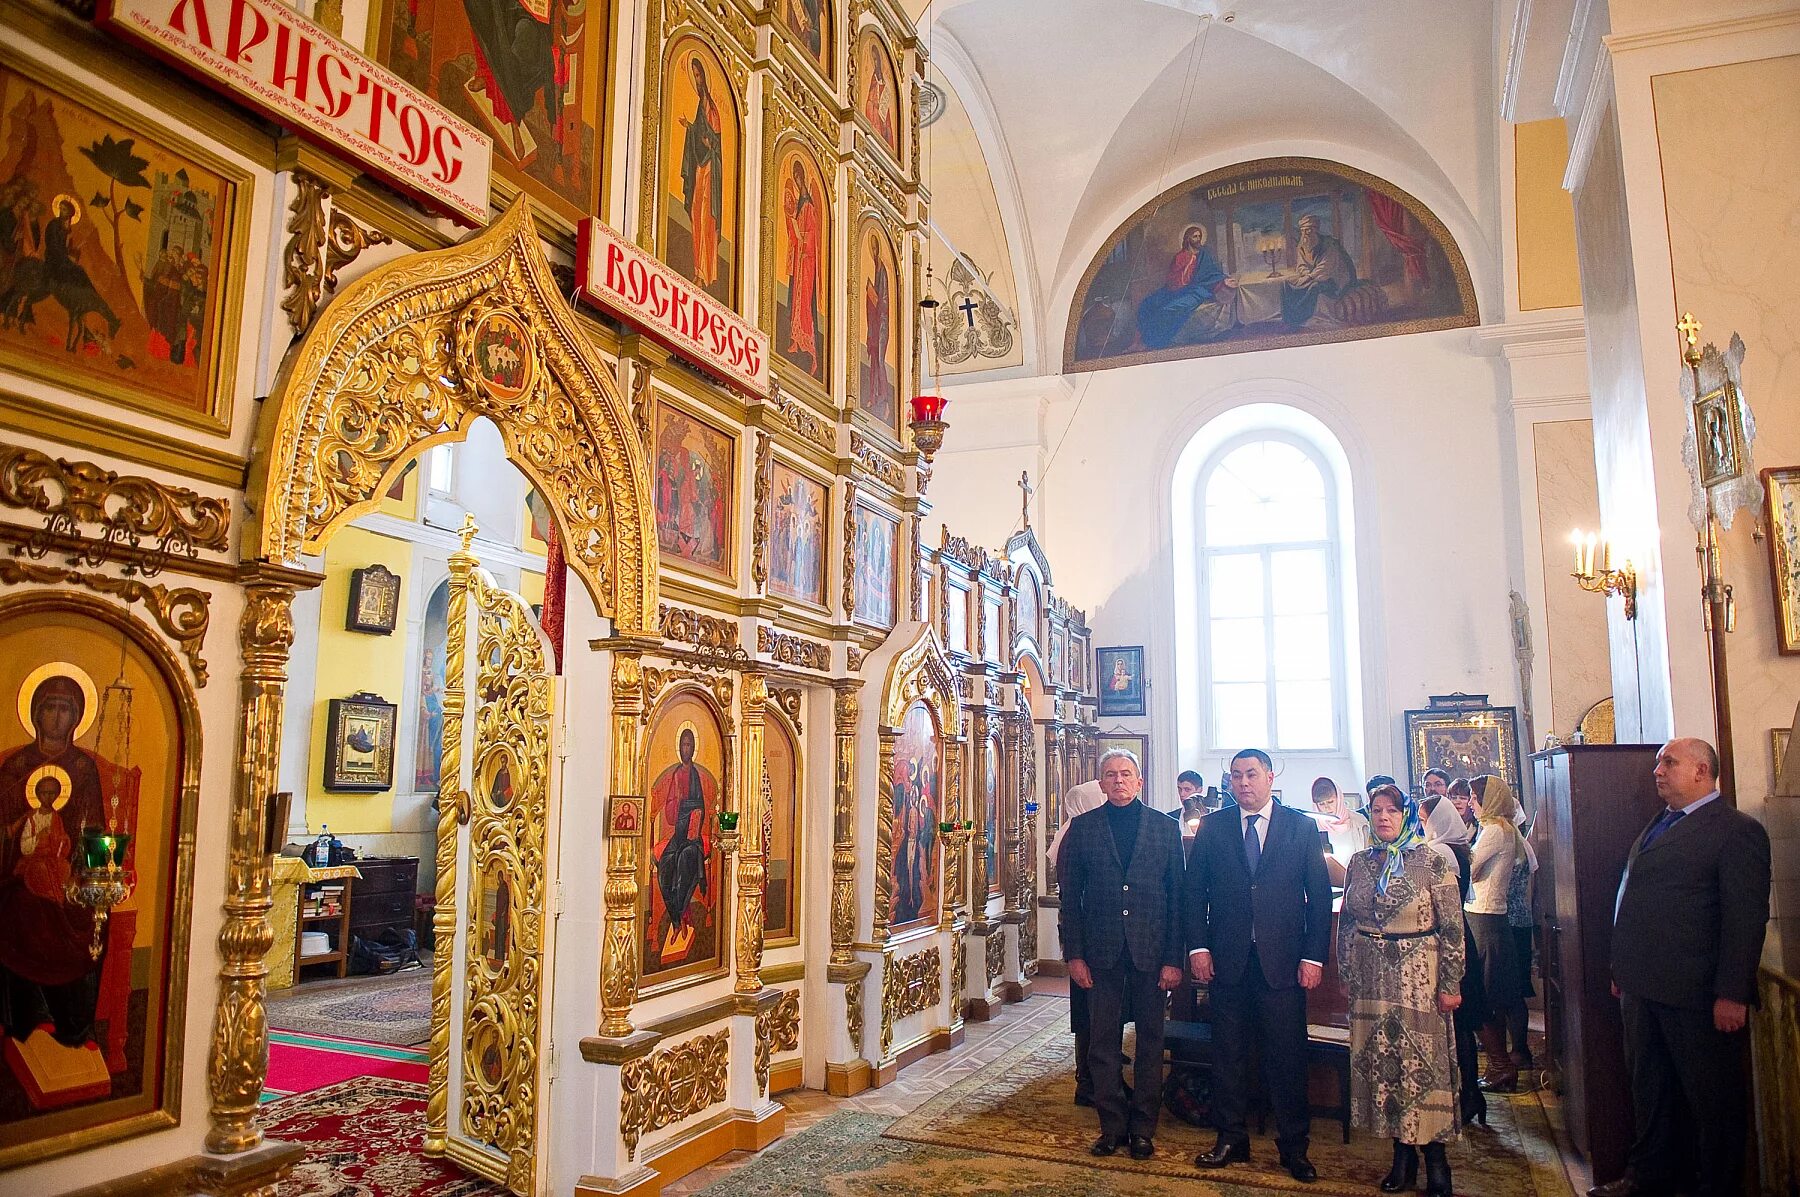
(453, 805)
(843, 824)
(1012, 796)
(753, 808)
(956, 844)
(978, 871)
(239, 1060)
(1052, 794)
(619, 962)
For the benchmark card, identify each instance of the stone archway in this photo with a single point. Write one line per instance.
(408, 356)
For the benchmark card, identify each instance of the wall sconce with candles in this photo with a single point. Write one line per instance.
(1596, 575)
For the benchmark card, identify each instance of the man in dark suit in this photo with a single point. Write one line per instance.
(1258, 913)
(1119, 877)
(1687, 935)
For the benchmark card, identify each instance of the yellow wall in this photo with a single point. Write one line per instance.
(353, 661)
(1548, 274)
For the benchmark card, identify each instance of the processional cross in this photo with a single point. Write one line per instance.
(1026, 490)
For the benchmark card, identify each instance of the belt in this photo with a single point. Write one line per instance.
(1397, 934)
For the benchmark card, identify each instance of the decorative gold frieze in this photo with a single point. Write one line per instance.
(877, 463)
(850, 550)
(800, 418)
(959, 974)
(668, 1086)
(765, 1048)
(881, 196)
(793, 650)
(401, 358)
(908, 985)
(719, 685)
(323, 242)
(996, 955)
(965, 552)
(183, 614)
(705, 632)
(819, 113)
(127, 509)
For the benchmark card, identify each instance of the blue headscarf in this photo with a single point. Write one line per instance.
(1392, 855)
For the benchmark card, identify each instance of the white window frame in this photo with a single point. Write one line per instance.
(1333, 547)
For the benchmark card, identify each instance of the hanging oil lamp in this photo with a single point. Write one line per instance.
(101, 880)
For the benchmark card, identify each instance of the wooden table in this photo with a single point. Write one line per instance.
(291, 877)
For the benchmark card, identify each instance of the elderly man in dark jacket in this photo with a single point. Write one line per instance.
(1119, 876)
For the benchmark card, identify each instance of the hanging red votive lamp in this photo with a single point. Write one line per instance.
(928, 423)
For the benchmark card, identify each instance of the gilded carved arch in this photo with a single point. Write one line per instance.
(411, 355)
(919, 673)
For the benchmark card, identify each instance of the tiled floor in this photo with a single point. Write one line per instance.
(985, 1043)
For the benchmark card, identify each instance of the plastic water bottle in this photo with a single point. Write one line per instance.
(322, 847)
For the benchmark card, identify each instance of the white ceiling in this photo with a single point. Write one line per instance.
(1100, 104)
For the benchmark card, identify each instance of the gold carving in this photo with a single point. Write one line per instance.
(847, 710)
(619, 960)
(183, 614)
(321, 246)
(797, 416)
(913, 579)
(789, 701)
(759, 537)
(819, 113)
(853, 1014)
(126, 508)
(959, 975)
(453, 806)
(765, 1048)
(752, 866)
(705, 632)
(793, 650)
(965, 552)
(849, 550)
(786, 1022)
(507, 831)
(996, 955)
(239, 1057)
(382, 371)
(908, 985)
(877, 463)
(874, 175)
(670, 1085)
(854, 658)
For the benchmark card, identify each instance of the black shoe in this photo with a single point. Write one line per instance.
(1404, 1177)
(1141, 1147)
(1106, 1145)
(1085, 1099)
(1474, 1106)
(1223, 1152)
(1299, 1167)
(1437, 1171)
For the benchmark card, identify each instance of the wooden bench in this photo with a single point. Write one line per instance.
(1191, 1042)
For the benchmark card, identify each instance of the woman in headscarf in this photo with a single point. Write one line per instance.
(1498, 848)
(1464, 800)
(1519, 918)
(1400, 947)
(1446, 834)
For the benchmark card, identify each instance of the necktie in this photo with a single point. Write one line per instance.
(1668, 820)
(1252, 844)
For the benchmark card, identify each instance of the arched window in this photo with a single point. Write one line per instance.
(1270, 596)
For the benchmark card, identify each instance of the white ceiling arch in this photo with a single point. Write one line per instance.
(1097, 105)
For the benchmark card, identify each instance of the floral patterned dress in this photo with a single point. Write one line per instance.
(1403, 1079)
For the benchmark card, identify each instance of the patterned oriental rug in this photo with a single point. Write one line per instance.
(364, 1138)
(1020, 1107)
(394, 1010)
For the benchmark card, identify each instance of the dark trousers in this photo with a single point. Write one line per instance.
(1116, 991)
(1688, 1088)
(1276, 1019)
(1079, 1023)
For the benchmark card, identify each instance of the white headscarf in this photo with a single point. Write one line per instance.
(1078, 801)
(1444, 829)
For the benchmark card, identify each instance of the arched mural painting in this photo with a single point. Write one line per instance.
(1281, 251)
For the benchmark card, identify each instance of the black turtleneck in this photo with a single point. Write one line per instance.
(1124, 823)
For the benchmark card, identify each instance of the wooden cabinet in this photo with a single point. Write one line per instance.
(384, 895)
(1593, 801)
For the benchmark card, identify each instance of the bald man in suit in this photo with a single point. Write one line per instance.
(1688, 930)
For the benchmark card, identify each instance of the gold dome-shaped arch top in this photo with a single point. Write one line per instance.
(921, 672)
(411, 355)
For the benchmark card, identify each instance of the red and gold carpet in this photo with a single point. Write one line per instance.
(298, 1063)
(364, 1138)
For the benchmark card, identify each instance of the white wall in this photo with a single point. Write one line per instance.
(1424, 424)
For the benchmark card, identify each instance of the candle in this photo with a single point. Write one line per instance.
(1593, 539)
(1575, 539)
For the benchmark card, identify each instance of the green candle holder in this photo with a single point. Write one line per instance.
(946, 826)
(728, 820)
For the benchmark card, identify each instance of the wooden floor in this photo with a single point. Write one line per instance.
(986, 1042)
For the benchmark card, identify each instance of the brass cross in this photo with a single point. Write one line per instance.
(1690, 330)
(1026, 491)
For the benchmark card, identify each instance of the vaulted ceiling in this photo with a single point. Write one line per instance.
(1088, 108)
